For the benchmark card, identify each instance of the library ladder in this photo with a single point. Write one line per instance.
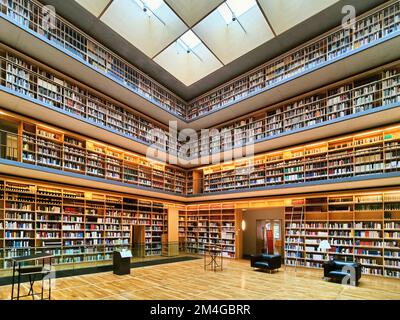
(300, 233)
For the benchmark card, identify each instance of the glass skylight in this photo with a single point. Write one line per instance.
(153, 5)
(189, 40)
(231, 9)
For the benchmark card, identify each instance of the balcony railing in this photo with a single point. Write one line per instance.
(45, 151)
(362, 94)
(32, 15)
(48, 88)
(365, 93)
(367, 154)
(368, 29)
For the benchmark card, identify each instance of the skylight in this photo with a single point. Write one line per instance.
(189, 39)
(153, 5)
(232, 9)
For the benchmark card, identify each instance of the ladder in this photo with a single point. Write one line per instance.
(300, 233)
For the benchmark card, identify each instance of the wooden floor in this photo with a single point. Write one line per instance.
(188, 280)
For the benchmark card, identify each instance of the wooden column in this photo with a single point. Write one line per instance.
(238, 234)
(197, 181)
(171, 241)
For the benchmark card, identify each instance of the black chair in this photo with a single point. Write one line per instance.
(265, 261)
(337, 270)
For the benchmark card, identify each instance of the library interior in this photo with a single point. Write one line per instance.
(198, 150)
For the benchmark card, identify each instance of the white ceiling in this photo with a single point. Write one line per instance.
(157, 32)
(285, 14)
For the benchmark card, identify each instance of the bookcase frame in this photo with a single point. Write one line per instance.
(204, 224)
(39, 82)
(369, 27)
(75, 224)
(363, 153)
(361, 227)
(47, 146)
(30, 14)
(374, 25)
(342, 99)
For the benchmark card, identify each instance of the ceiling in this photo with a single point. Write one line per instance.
(191, 46)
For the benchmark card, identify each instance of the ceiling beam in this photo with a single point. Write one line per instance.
(105, 9)
(189, 28)
(265, 17)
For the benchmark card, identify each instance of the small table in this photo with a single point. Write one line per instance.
(214, 252)
(31, 272)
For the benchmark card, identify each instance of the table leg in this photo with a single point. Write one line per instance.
(42, 278)
(13, 282)
(19, 280)
(50, 279)
(31, 283)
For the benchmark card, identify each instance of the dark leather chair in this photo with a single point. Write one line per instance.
(337, 270)
(265, 261)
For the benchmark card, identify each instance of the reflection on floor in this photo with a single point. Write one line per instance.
(188, 280)
(82, 265)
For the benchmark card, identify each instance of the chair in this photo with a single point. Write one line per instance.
(337, 270)
(265, 261)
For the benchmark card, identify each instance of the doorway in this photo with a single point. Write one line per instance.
(269, 236)
(138, 241)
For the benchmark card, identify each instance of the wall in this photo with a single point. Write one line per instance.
(250, 216)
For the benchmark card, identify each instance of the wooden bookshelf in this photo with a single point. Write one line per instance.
(360, 154)
(82, 225)
(204, 224)
(364, 92)
(369, 27)
(75, 225)
(30, 78)
(360, 227)
(365, 153)
(369, 91)
(47, 146)
(30, 14)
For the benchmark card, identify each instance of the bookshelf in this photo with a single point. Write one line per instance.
(366, 153)
(360, 227)
(81, 46)
(369, 28)
(208, 224)
(47, 146)
(31, 79)
(365, 92)
(75, 225)
(371, 90)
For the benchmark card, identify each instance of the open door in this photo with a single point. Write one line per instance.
(269, 236)
(138, 241)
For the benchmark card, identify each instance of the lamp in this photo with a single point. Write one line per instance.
(324, 246)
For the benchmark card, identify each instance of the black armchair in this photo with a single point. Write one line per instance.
(337, 270)
(266, 261)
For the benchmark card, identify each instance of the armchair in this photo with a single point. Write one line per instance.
(336, 269)
(266, 261)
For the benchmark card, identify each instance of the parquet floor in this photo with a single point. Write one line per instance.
(188, 280)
